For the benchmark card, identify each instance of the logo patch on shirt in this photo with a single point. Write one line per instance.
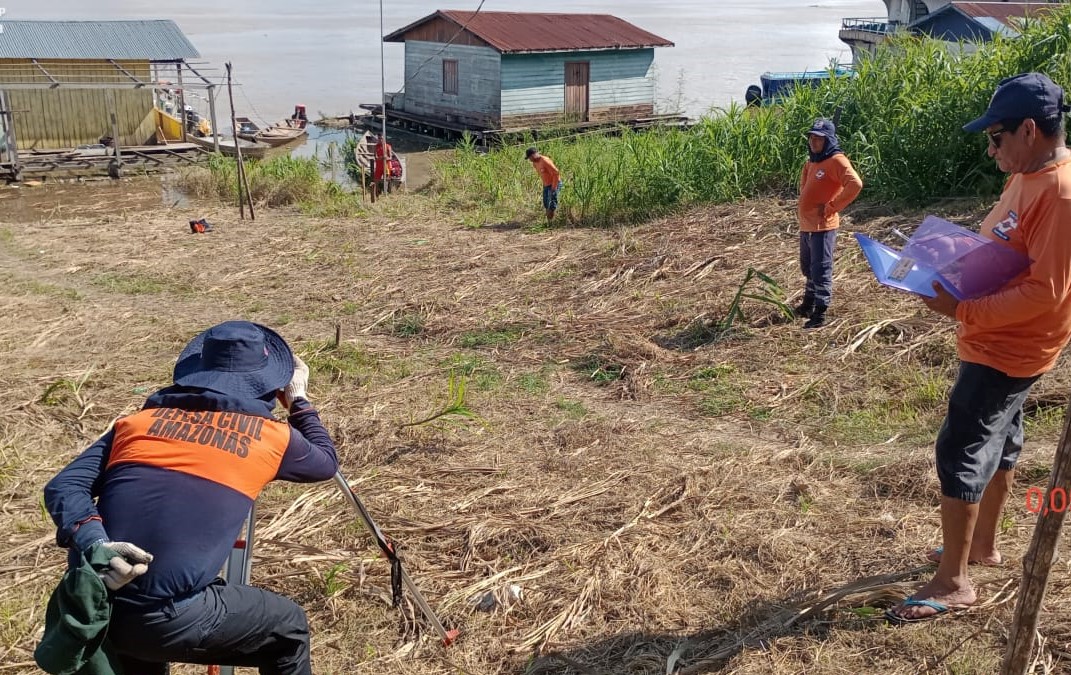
(1004, 228)
(821, 173)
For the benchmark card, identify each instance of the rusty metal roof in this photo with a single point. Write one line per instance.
(1003, 12)
(520, 32)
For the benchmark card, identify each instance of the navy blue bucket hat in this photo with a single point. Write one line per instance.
(237, 358)
(1026, 95)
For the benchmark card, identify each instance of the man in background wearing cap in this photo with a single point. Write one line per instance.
(1005, 340)
(173, 484)
(828, 183)
(552, 180)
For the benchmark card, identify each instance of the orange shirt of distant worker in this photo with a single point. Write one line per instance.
(547, 171)
(383, 153)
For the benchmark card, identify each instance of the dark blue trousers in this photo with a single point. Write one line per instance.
(226, 624)
(816, 263)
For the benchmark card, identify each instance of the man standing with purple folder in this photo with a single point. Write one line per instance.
(1006, 340)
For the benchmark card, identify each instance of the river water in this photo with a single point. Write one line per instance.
(326, 54)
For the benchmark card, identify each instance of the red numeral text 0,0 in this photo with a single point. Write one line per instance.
(1037, 503)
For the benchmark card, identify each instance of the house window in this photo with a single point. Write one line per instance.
(449, 76)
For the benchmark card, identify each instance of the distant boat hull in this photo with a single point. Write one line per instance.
(279, 135)
(250, 149)
(779, 85)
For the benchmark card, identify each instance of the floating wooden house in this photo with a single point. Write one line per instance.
(65, 84)
(502, 70)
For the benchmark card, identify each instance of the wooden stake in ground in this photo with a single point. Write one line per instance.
(1038, 560)
(242, 180)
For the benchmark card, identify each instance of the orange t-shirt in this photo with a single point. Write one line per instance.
(547, 171)
(832, 182)
(1020, 329)
(383, 153)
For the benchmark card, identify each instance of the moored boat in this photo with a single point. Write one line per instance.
(777, 85)
(365, 154)
(279, 134)
(228, 146)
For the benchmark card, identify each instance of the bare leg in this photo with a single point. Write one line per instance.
(550, 215)
(951, 585)
(984, 542)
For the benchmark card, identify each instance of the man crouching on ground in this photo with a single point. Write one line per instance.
(173, 484)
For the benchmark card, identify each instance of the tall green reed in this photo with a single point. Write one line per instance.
(277, 181)
(900, 122)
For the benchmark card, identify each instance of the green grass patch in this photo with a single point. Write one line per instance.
(721, 394)
(490, 338)
(878, 422)
(1044, 420)
(409, 324)
(35, 287)
(598, 368)
(574, 410)
(534, 384)
(480, 373)
(338, 363)
(135, 283)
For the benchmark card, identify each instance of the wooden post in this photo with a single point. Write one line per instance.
(181, 98)
(8, 118)
(212, 116)
(338, 335)
(1038, 561)
(113, 107)
(242, 180)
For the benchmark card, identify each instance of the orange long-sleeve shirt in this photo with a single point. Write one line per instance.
(1021, 329)
(547, 171)
(832, 182)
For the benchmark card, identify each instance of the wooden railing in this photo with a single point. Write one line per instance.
(877, 25)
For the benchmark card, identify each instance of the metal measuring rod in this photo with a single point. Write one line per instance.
(238, 570)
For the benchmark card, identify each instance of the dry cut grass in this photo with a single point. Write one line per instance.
(640, 493)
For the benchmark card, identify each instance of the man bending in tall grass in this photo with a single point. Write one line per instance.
(1006, 340)
(551, 177)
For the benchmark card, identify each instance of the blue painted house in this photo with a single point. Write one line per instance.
(973, 22)
(501, 70)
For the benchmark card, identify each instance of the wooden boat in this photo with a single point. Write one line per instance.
(280, 134)
(776, 85)
(283, 133)
(250, 149)
(247, 128)
(364, 156)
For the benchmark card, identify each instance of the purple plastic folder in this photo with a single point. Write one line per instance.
(967, 264)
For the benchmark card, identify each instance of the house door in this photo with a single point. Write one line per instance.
(577, 74)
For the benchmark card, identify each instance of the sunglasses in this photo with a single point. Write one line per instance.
(994, 137)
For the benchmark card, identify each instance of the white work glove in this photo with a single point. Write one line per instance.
(128, 563)
(298, 384)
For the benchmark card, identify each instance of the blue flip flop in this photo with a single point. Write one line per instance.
(894, 618)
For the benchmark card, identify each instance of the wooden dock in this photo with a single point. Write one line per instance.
(95, 161)
(437, 128)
